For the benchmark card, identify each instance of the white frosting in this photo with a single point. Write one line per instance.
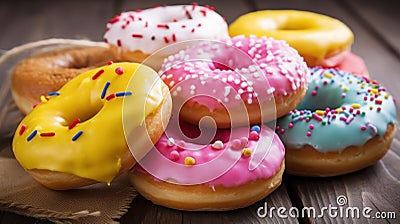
(151, 29)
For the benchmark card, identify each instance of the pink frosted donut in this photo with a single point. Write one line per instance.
(261, 77)
(219, 176)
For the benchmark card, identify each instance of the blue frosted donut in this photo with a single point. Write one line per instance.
(340, 110)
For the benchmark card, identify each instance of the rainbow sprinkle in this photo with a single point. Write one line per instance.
(77, 135)
(32, 135)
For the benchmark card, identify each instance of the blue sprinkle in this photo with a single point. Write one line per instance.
(31, 135)
(346, 113)
(123, 94)
(294, 120)
(103, 93)
(53, 94)
(256, 128)
(76, 136)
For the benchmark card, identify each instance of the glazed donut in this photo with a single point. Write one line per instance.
(47, 72)
(238, 76)
(319, 39)
(219, 176)
(75, 137)
(344, 123)
(134, 36)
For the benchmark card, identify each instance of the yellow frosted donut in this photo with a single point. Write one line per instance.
(76, 136)
(316, 37)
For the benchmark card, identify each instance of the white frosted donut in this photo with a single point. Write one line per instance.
(137, 34)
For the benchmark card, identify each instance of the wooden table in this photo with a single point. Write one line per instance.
(377, 40)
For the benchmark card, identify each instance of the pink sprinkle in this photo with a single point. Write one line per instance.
(343, 108)
(254, 135)
(174, 155)
(22, 130)
(135, 35)
(363, 128)
(351, 110)
(235, 144)
(35, 105)
(308, 134)
(311, 126)
(282, 131)
(138, 10)
(307, 119)
(290, 125)
(317, 117)
(244, 141)
(119, 71)
(314, 92)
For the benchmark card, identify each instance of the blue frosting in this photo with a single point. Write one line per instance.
(338, 110)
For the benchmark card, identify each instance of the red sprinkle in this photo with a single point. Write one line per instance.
(311, 126)
(119, 44)
(97, 74)
(192, 30)
(183, 26)
(110, 62)
(363, 128)
(47, 134)
(135, 35)
(204, 12)
(138, 10)
(290, 125)
(378, 109)
(22, 130)
(114, 20)
(314, 92)
(110, 97)
(166, 39)
(378, 101)
(173, 37)
(146, 24)
(119, 71)
(35, 105)
(162, 26)
(194, 6)
(74, 123)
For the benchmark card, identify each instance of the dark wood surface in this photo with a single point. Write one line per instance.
(377, 40)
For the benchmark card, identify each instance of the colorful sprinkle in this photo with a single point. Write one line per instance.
(32, 135)
(308, 133)
(378, 102)
(174, 155)
(77, 135)
(190, 161)
(74, 123)
(22, 129)
(97, 74)
(110, 97)
(356, 105)
(43, 99)
(123, 94)
(103, 93)
(256, 128)
(53, 94)
(47, 134)
(217, 144)
(119, 70)
(171, 141)
(254, 136)
(363, 128)
(246, 152)
(135, 35)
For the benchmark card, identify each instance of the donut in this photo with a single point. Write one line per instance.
(47, 72)
(344, 123)
(321, 40)
(76, 136)
(228, 79)
(237, 168)
(135, 35)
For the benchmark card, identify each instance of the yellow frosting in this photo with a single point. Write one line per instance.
(312, 34)
(97, 153)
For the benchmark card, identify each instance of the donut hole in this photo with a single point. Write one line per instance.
(88, 112)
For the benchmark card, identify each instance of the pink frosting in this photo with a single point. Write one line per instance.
(227, 166)
(352, 63)
(235, 70)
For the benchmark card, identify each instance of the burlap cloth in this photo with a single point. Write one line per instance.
(19, 193)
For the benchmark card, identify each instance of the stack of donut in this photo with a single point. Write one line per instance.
(228, 103)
